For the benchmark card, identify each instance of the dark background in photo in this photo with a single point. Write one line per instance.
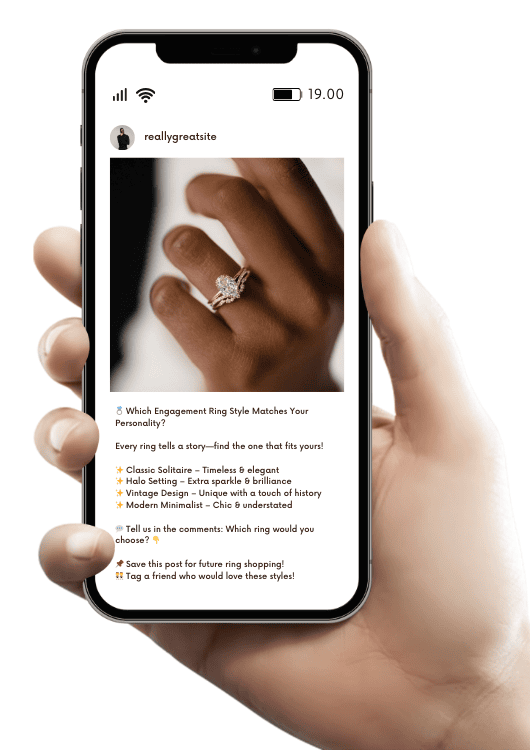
(132, 204)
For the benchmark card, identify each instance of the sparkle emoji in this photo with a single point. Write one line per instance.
(119, 492)
(119, 504)
(156, 539)
(119, 469)
(119, 481)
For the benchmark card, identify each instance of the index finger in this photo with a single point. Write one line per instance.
(295, 194)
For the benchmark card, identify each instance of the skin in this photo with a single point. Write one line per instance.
(280, 334)
(439, 656)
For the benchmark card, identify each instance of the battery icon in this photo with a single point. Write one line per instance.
(286, 95)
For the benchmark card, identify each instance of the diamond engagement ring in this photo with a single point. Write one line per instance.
(230, 288)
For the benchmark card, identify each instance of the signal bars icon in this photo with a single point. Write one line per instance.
(121, 96)
(145, 94)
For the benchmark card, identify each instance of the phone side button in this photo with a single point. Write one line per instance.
(80, 244)
(372, 221)
(81, 189)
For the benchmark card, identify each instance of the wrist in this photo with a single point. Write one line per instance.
(500, 713)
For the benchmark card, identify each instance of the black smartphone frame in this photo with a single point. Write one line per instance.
(233, 47)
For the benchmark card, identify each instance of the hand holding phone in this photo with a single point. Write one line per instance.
(439, 653)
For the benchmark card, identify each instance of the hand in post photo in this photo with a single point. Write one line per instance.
(265, 317)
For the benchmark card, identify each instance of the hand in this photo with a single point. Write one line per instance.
(280, 334)
(439, 656)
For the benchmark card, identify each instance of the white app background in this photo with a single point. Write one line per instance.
(234, 103)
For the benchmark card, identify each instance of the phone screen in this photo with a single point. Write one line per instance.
(229, 364)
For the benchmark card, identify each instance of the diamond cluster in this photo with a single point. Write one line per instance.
(227, 285)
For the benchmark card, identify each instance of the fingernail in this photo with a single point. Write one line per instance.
(182, 239)
(46, 343)
(82, 545)
(60, 431)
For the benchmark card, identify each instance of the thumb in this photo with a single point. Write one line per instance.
(433, 397)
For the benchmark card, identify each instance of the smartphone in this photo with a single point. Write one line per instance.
(226, 185)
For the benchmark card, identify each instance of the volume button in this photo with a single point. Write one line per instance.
(81, 189)
(372, 218)
(80, 244)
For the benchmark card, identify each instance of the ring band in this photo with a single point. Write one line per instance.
(230, 288)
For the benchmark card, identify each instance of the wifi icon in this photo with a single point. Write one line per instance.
(145, 94)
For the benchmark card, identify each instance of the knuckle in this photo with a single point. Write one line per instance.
(275, 335)
(288, 171)
(256, 361)
(439, 317)
(281, 338)
(255, 368)
(231, 196)
(317, 310)
(433, 312)
(253, 364)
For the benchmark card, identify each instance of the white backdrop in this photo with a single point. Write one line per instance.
(451, 166)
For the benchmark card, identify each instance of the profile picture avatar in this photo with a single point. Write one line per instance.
(122, 137)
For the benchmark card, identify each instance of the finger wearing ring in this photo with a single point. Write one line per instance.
(230, 288)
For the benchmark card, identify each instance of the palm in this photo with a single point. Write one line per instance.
(447, 607)
(390, 657)
(263, 666)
